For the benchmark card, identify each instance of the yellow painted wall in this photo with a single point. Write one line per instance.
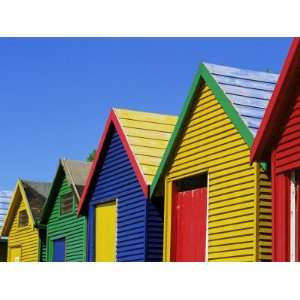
(210, 143)
(27, 238)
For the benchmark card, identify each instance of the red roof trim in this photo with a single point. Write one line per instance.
(112, 121)
(263, 142)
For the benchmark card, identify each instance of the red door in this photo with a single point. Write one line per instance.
(189, 226)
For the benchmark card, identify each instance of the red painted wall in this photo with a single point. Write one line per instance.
(285, 158)
(288, 147)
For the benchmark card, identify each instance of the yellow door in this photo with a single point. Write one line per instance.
(106, 220)
(15, 254)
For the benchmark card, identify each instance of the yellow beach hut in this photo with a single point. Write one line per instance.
(20, 225)
(217, 205)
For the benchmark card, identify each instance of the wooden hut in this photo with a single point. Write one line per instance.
(65, 239)
(278, 143)
(123, 224)
(217, 205)
(20, 225)
(5, 197)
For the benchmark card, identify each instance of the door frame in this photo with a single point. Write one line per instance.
(113, 200)
(174, 195)
(51, 246)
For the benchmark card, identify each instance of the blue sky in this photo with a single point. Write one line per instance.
(55, 94)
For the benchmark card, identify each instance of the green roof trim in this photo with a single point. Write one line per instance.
(204, 75)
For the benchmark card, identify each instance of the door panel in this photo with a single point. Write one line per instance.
(15, 254)
(59, 250)
(189, 226)
(106, 220)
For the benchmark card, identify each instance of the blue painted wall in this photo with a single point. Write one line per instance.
(116, 179)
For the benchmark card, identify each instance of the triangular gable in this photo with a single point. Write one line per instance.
(76, 173)
(280, 102)
(144, 137)
(14, 204)
(111, 123)
(148, 135)
(241, 93)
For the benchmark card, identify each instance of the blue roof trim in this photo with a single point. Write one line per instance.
(249, 91)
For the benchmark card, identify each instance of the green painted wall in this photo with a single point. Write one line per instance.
(70, 227)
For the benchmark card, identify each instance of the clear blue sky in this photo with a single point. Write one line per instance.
(55, 94)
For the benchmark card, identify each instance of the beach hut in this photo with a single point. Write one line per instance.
(5, 197)
(65, 239)
(217, 205)
(20, 225)
(123, 223)
(278, 143)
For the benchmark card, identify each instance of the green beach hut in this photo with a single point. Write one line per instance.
(64, 236)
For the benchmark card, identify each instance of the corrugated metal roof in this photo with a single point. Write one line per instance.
(5, 198)
(249, 91)
(148, 135)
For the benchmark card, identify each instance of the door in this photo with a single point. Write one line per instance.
(59, 250)
(189, 226)
(15, 254)
(106, 227)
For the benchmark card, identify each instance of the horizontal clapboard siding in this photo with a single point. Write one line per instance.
(71, 227)
(210, 143)
(155, 230)
(43, 245)
(116, 180)
(27, 238)
(265, 217)
(288, 148)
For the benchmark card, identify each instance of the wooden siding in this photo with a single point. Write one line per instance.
(155, 230)
(265, 217)
(27, 238)
(68, 226)
(148, 135)
(211, 143)
(288, 148)
(115, 179)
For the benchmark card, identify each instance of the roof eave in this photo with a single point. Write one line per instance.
(266, 134)
(202, 74)
(112, 121)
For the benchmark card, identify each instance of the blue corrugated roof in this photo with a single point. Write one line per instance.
(249, 91)
(5, 198)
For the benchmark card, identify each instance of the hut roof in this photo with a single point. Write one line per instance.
(144, 136)
(243, 94)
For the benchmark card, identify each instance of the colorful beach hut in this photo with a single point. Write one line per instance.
(65, 240)
(217, 205)
(278, 142)
(20, 225)
(123, 223)
(5, 197)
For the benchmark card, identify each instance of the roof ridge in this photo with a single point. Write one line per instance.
(242, 69)
(141, 111)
